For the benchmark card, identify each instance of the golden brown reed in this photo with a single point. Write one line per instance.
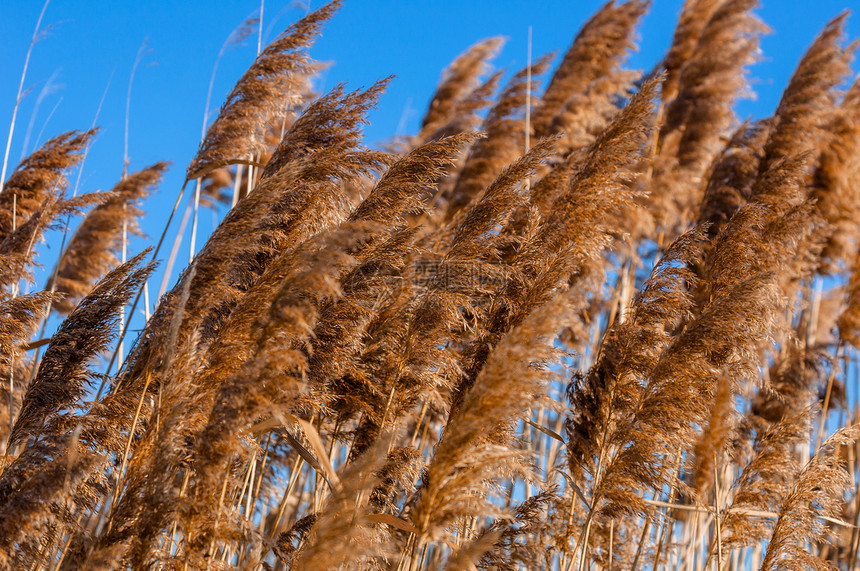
(366, 366)
(94, 247)
(256, 102)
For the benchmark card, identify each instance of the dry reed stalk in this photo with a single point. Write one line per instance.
(20, 95)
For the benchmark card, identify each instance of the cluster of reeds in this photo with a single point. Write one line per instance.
(597, 325)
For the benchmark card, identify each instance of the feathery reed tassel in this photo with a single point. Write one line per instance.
(284, 549)
(676, 396)
(816, 492)
(460, 82)
(765, 480)
(836, 184)
(711, 444)
(496, 203)
(94, 248)
(576, 231)
(419, 363)
(400, 191)
(733, 174)
(519, 542)
(18, 249)
(809, 102)
(607, 164)
(41, 490)
(19, 317)
(793, 384)
(294, 200)
(269, 378)
(39, 177)
(601, 399)
(297, 201)
(409, 355)
(505, 128)
(397, 476)
(695, 15)
(760, 235)
(598, 50)
(700, 116)
(312, 201)
(709, 85)
(146, 501)
(344, 535)
(258, 97)
(59, 471)
(514, 378)
(63, 371)
(273, 378)
(333, 120)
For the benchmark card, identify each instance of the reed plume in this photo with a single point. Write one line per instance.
(599, 48)
(515, 374)
(809, 102)
(19, 249)
(272, 378)
(399, 192)
(21, 315)
(816, 493)
(344, 533)
(564, 244)
(58, 471)
(765, 480)
(63, 372)
(95, 245)
(733, 174)
(505, 129)
(835, 182)
(460, 91)
(288, 204)
(699, 116)
(257, 101)
(695, 15)
(40, 176)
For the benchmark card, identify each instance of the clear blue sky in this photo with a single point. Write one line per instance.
(93, 42)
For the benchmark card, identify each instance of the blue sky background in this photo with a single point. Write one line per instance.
(91, 43)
